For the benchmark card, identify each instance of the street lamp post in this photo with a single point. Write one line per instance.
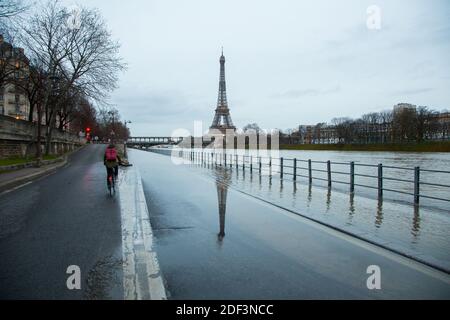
(112, 134)
(126, 131)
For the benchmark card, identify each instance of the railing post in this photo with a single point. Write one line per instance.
(380, 180)
(352, 177)
(329, 172)
(243, 162)
(237, 161)
(295, 169)
(225, 160)
(260, 165)
(281, 168)
(270, 167)
(416, 185)
(251, 164)
(310, 171)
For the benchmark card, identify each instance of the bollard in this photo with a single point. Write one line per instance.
(416, 185)
(281, 168)
(380, 180)
(251, 164)
(310, 171)
(329, 172)
(237, 161)
(295, 169)
(352, 177)
(243, 163)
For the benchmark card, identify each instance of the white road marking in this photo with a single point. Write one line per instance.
(16, 188)
(142, 279)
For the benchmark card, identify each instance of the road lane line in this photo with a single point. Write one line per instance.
(142, 279)
(16, 188)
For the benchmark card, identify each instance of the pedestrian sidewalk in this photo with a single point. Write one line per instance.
(13, 179)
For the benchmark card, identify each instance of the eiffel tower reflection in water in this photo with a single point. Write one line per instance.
(223, 179)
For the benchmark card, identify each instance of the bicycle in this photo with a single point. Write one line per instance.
(111, 180)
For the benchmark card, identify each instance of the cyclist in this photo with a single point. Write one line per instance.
(111, 160)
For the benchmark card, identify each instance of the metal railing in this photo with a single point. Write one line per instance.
(344, 173)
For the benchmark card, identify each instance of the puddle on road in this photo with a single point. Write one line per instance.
(103, 279)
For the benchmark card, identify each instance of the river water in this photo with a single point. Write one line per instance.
(398, 172)
(392, 221)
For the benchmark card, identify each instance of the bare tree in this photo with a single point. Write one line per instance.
(82, 55)
(252, 128)
(11, 8)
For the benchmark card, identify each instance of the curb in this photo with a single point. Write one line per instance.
(9, 185)
(54, 165)
(142, 276)
(31, 164)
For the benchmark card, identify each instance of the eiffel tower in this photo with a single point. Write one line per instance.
(222, 120)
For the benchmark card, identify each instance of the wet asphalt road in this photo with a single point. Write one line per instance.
(61, 220)
(235, 248)
(242, 248)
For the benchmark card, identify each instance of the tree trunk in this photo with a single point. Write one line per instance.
(38, 138)
(30, 115)
(48, 138)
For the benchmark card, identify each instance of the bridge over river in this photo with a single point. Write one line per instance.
(147, 142)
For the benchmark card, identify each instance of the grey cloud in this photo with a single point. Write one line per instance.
(294, 94)
(412, 91)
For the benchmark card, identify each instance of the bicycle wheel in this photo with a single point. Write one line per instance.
(110, 184)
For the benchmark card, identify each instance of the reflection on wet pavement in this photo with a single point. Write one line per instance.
(375, 219)
(222, 181)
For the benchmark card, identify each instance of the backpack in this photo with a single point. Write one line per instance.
(111, 154)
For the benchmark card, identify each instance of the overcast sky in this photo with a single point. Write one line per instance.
(288, 62)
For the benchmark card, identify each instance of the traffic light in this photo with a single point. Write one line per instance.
(88, 130)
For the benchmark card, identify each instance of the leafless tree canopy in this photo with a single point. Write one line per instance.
(73, 60)
(11, 8)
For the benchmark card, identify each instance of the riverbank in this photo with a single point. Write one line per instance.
(441, 146)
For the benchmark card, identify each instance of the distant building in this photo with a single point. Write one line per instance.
(14, 65)
(306, 133)
(405, 107)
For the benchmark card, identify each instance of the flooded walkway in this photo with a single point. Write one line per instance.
(215, 242)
